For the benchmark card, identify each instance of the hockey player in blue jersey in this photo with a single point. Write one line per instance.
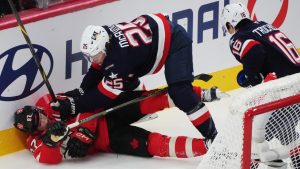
(264, 52)
(122, 53)
(259, 47)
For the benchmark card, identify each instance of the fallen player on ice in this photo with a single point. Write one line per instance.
(112, 133)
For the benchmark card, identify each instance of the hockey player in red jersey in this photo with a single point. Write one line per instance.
(112, 133)
(129, 50)
(264, 52)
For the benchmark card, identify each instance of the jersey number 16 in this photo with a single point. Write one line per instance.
(286, 46)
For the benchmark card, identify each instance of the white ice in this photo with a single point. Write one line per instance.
(170, 121)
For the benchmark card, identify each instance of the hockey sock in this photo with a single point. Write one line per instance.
(161, 102)
(202, 120)
(183, 96)
(180, 147)
(154, 104)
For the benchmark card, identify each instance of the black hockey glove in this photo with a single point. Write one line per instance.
(73, 93)
(55, 133)
(245, 81)
(65, 106)
(79, 142)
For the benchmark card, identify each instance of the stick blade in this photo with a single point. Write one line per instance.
(204, 77)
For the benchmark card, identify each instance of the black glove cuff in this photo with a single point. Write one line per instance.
(72, 106)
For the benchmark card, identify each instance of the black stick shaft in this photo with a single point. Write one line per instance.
(204, 77)
(37, 61)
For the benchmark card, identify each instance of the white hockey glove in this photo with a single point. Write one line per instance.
(212, 94)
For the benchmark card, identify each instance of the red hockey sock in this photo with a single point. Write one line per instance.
(154, 104)
(162, 101)
(180, 147)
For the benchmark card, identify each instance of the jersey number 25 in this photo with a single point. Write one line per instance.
(138, 27)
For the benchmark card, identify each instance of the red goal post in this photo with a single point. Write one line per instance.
(248, 119)
(233, 146)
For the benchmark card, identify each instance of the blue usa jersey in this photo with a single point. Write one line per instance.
(136, 48)
(262, 48)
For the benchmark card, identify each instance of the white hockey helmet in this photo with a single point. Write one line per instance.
(233, 14)
(93, 40)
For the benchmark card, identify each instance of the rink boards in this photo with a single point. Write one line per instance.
(56, 33)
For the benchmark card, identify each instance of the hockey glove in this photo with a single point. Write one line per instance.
(79, 142)
(55, 133)
(66, 107)
(212, 94)
(73, 93)
(245, 81)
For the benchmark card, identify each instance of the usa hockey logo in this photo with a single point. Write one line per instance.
(19, 72)
(281, 15)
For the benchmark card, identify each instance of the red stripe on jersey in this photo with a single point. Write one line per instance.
(248, 46)
(180, 147)
(201, 119)
(106, 92)
(166, 43)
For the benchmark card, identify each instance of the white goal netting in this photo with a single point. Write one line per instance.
(282, 128)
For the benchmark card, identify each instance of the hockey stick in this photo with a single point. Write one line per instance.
(37, 61)
(204, 77)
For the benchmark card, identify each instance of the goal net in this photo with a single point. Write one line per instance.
(234, 147)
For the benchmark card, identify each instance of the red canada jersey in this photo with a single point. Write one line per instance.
(53, 155)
